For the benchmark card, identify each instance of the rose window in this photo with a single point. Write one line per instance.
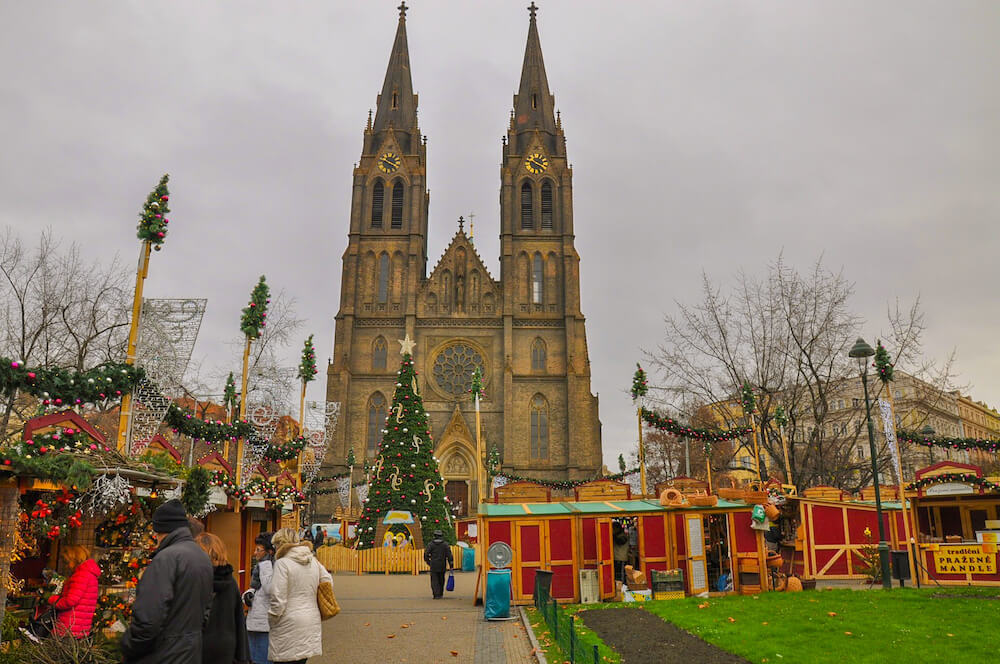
(453, 368)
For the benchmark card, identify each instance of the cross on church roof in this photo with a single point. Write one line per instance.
(402, 9)
(461, 224)
(532, 9)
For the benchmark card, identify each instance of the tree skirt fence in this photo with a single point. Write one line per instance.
(380, 560)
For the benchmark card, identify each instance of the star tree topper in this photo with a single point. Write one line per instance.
(406, 345)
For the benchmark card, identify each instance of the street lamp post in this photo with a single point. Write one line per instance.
(928, 432)
(862, 351)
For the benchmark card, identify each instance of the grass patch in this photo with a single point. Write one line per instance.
(585, 643)
(835, 626)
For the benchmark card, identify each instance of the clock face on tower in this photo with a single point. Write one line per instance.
(388, 162)
(536, 163)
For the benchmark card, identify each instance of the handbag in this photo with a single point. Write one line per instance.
(42, 625)
(326, 600)
(450, 583)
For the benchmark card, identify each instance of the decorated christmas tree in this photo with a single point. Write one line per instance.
(406, 491)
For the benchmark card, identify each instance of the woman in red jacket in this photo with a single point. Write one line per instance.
(76, 604)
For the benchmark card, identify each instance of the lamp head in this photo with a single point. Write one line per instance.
(928, 431)
(861, 349)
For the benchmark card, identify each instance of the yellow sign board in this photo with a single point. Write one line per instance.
(968, 559)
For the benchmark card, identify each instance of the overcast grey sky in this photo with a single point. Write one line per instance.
(704, 135)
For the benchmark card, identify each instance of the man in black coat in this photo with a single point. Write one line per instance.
(172, 597)
(438, 556)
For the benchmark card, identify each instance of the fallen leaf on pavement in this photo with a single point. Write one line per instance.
(444, 617)
(404, 626)
(454, 653)
(533, 651)
(391, 636)
(368, 624)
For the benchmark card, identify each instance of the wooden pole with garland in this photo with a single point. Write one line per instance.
(405, 475)
(781, 419)
(749, 403)
(886, 374)
(229, 397)
(477, 393)
(252, 323)
(152, 230)
(640, 386)
(307, 373)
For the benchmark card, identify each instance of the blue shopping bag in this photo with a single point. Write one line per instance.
(449, 585)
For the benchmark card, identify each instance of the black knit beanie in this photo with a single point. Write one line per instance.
(169, 516)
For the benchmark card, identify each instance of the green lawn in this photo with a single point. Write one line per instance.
(838, 626)
(556, 654)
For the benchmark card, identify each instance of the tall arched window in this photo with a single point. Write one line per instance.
(378, 198)
(379, 351)
(539, 427)
(382, 296)
(397, 204)
(527, 220)
(537, 275)
(376, 420)
(547, 206)
(538, 355)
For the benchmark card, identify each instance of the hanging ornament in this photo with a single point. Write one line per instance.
(428, 488)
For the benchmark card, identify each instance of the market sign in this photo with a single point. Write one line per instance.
(970, 559)
(949, 489)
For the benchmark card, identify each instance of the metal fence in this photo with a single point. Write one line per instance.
(563, 626)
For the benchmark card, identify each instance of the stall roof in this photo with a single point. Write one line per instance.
(610, 507)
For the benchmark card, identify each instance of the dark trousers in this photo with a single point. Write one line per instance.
(437, 583)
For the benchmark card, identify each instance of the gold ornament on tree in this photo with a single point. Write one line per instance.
(394, 479)
(428, 489)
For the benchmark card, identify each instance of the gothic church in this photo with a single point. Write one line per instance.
(524, 331)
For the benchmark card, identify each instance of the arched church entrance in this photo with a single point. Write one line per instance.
(456, 457)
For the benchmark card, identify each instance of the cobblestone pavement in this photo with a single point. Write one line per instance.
(392, 618)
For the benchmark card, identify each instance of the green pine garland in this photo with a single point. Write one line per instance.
(211, 432)
(406, 475)
(64, 387)
(979, 444)
(285, 451)
(747, 398)
(640, 386)
(351, 460)
(269, 491)
(568, 484)
(229, 394)
(668, 425)
(153, 220)
(477, 384)
(967, 478)
(883, 363)
(780, 417)
(253, 320)
(196, 490)
(307, 367)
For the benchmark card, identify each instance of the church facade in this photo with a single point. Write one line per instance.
(524, 331)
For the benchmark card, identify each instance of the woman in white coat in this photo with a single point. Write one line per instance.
(259, 599)
(293, 613)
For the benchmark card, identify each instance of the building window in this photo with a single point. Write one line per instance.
(855, 402)
(395, 101)
(383, 279)
(397, 204)
(537, 274)
(539, 428)
(861, 451)
(379, 351)
(376, 420)
(534, 101)
(899, 394)
(547, 206)
(453, 368)
(378, 198)
(538, 355)
(527, 220)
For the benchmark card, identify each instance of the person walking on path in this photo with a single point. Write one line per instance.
(438, 556)
(293, 612)
(258, 598)
(172, 597)
(76, 604)
(224, 637)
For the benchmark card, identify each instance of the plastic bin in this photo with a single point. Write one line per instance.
(468, 560)
(497, 604)
(543, 581)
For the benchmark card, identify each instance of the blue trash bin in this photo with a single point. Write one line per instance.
(469, 560)
(497, 604)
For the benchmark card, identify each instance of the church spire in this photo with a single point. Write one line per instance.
(397, 105)
(533, 104)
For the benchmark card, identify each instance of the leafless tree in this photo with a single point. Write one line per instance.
(58, 308)
(786, 335)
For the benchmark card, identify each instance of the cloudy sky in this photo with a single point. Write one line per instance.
(704, 136)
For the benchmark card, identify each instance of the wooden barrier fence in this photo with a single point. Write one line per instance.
(379, 560)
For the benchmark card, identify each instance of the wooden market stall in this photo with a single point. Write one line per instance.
(830, 533)
(568, 537)
(957, 515)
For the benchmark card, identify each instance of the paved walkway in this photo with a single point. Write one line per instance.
(392, 618)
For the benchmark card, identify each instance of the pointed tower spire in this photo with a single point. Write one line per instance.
(397, 105)
(533, 104)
